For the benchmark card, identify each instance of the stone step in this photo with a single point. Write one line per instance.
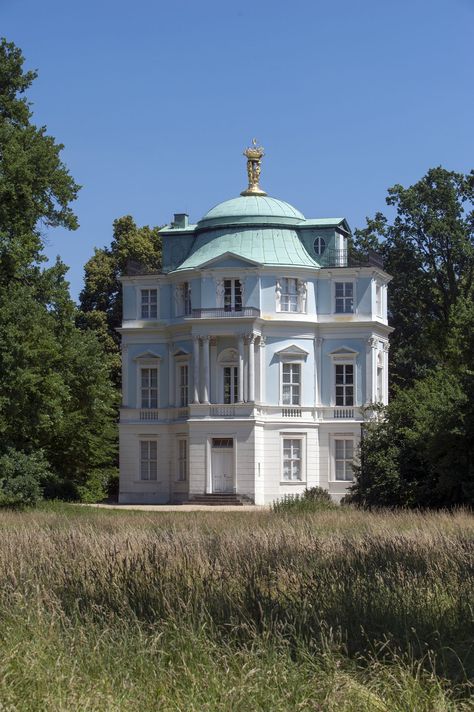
(216, 499)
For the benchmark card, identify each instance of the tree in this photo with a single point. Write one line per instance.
(101, 298)
(429, 250)
(35, 186)
(57, 403)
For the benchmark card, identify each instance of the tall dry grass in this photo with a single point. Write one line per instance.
(236, 611)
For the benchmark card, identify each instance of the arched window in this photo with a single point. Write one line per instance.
(319, 245)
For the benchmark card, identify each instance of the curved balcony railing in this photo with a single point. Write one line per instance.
(222, 313)
(349, 258)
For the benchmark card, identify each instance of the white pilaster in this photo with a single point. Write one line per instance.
(206, 385)
(261, 343)
(196, 369)
(318, 342)
(252, 368)
(241, 370)
(124, 374)
(371, 370)
(386, 347)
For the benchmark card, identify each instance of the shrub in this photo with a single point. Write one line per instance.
(99, 485)
(21, 477)
(312, 500)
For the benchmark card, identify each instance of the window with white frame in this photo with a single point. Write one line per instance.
(344, 297)
(289, 295)
(231, 384)
(292, 459)
(232, 295)
(291, 383)
(379, 377)
(149, 304)
(182, 474)
(343, 459)
(149, 387)
(148, 459)
(344, 377)
(378, 299)
(183, 385)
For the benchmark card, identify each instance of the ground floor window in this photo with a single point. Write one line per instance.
(182, 460)
(148, 459)
(344, 455)
(292, 459)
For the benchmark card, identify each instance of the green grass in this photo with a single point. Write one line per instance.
(333, 610)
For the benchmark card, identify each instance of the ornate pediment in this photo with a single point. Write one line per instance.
(343, 352)
(147, 356)
(292, 352)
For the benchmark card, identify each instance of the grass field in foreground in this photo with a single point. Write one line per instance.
(339, 610)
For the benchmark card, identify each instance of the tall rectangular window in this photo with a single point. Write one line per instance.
(291, 385)
(149, 387)
(186, 299)
(344, 384)
(292, 462)
(343, 455)
(182, 460)
(231, 384)
(344, 292)
(183, 385)
(289, 294)
(149, 303)
(148, 459)
(378, 299)
(232, 295)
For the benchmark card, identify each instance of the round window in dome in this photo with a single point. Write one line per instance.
(319, 245)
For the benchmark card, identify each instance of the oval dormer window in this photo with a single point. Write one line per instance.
(319, 245)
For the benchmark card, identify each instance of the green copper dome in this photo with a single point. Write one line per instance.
(252, 209)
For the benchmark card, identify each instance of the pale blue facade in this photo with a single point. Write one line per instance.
(246, 361)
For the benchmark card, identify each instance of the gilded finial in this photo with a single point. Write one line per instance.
(254, 155)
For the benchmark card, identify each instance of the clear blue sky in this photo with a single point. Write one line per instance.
(155, 102)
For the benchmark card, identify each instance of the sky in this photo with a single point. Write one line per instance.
(156, 101)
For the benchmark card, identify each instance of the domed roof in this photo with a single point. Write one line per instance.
(252, 209)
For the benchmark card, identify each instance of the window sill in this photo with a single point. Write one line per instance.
(292, 482)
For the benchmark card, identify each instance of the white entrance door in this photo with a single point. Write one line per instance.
(222, 464)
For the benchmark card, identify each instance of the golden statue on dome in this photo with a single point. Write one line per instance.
(254, 156)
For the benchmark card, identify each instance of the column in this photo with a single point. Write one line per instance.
(263, 373)
(241, 370)
(196, 368)
(206, 389)
(252, 368)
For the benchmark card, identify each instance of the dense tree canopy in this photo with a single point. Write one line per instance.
(429, 250)
(421, 451)
(57, 404)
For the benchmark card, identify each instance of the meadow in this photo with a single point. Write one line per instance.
(332, 610)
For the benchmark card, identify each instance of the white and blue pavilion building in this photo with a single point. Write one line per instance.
(248, 358)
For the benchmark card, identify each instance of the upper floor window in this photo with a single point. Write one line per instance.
(319, 245)
(183, 385)
(231, 384)
(289, 294)
(292, 459)
(344, 295)
(343, 458)
(291, 383)
(378, 299)
(344, 384)
(149, 303)
(232, 295)
(148, 459)
(187, 298)
(149, 388)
